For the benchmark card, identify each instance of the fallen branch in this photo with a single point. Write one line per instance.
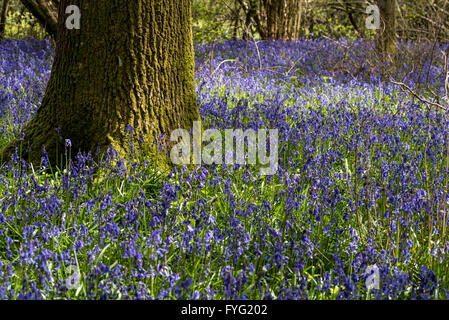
(417, 96)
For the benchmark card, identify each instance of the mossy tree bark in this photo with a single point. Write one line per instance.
(130, 63)
(386, 37)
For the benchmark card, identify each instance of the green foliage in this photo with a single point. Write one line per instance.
(210, 20)
(21, 23)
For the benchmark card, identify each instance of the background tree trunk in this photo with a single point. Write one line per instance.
(352, 19)
(46, 12)
(251, 19)
(294, 19)
(274, 19)
(386, 37)
(236, 18)
(3, 15)
(131, 62)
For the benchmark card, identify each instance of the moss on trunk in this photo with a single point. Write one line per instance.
(130, 63)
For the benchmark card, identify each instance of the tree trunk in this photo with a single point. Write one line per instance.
(251, 18)
(350, 11)
(46, 12)
(294, 19)
(236, 17)
(273, 19)
(130, 63)
(282, 18)
(386, 37)
(3, 15)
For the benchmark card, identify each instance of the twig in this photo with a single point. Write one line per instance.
(417, 96)
(224, 61)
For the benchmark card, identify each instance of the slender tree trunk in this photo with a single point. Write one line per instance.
(236, 15)
(3, 15)
(46, 12)
(250, 10)
(386, 38)
(130, 63)
(350, 12)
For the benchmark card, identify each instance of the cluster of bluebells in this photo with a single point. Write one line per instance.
(24, 71)
(310, 62)
(362, 181)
